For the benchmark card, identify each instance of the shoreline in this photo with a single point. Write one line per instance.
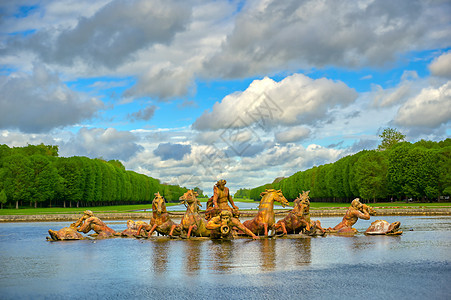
(337, 212)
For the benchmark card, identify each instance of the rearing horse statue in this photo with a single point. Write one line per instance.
(160, 221)
(265, 218)
(295, 221)
(298, 219)
(192, 222)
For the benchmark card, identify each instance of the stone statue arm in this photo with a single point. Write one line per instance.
(243, 228)
(80, 220)
(231, 200)
(85, 227)
(363, 214)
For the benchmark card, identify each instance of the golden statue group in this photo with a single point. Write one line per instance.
(221, 221)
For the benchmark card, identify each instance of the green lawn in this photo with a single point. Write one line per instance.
(131, 208)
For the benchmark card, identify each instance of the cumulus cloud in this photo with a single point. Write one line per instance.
(393, 96)
(144, 114)
(98, 142)
(295, 100)
(112, 34)
(168, 151)
(164, 82)
(430, 108)
(441, 66)
(271, 34)
(291, 135)
(39, 102)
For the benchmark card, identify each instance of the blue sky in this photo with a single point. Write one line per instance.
(196, 91)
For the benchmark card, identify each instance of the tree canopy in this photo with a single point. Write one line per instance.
(35, 175)
(419, 171)
(390, 137)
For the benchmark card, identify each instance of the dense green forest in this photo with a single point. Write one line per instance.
(397, 171)
(36, 176)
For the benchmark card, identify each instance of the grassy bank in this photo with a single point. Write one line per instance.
(140, 207)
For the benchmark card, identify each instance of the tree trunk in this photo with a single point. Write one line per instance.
(64, 203)
(17, 204)
(78, 205)
(36, 204)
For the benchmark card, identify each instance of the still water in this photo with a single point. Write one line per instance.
(415, 265)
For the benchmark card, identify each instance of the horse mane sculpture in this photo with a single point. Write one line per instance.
(264, 221)
(192, 223)
(160, 220)
(298, 220)
(295, 221)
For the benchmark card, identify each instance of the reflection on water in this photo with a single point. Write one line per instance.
(192, 257)
(159, 258)
(222, 255)
(31, 267)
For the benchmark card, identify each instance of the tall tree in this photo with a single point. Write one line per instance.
(371, 175)
(3, 198)
(45, 179)
(390, 137)
(18, 178)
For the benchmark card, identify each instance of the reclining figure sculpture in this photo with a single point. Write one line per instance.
(66, 233)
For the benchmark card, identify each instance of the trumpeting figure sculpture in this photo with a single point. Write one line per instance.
(89, 222)
(224, 226)
(356, 211)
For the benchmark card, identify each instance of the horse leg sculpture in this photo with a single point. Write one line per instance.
(284, 229)
(152, 230)
(190, 228)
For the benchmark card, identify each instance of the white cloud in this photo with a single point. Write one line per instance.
(294, 34)
(167, 45)
(295, 100)
(392, 96)
(40, 102)
(441, 66)
(430, 108)
(116, 31)
(98, 142)
(293, 134)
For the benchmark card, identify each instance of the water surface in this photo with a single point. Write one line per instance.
(412, 266)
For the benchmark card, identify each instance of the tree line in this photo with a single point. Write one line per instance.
(398, 170)
(36, 176)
